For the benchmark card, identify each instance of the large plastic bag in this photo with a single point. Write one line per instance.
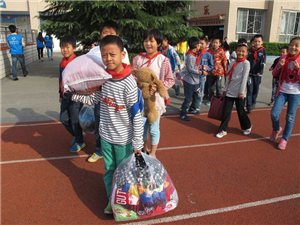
(95, 54)
(83, 76)
(141, 189)
(87, 119)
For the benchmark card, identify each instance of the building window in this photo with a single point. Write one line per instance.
(249, 23)
(290, 26)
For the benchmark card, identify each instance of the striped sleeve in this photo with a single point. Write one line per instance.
(137, 124)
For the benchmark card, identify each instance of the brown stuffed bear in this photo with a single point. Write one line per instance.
(146, 78)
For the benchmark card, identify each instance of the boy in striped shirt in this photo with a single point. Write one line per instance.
(121, 132)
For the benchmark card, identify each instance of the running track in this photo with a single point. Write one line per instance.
(234, 180)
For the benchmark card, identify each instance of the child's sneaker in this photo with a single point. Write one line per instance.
(275, 134)
(221, 134)
(282, 144)
(108, 209)
(247, 131)
(94, 158)
(77, 147)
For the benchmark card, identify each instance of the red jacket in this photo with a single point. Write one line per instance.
(220, 62)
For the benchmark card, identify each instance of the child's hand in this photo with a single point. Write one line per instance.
(205, 67)
(241, 96)
(205, 73)
(167, 101)
(137, 151)
(153, 89)
(296, 65)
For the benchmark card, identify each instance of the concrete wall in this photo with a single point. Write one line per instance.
(278, 7)
(273, 14)
(5, 60)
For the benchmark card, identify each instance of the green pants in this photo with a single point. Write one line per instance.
(113, 155)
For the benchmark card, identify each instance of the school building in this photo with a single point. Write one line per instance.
(276, 20)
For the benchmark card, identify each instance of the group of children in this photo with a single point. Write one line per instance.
(242, 77)
(119, 133)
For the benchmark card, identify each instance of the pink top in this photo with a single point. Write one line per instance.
(162, 68)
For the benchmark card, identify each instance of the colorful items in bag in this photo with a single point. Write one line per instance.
(141, 189)
(83, 76)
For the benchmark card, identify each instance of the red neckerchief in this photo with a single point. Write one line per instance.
(164, 50)
(256, 51)
(286, 71)
(64, 62)
(237, 61)
(150, 58)
(123, 73)
(198, 59)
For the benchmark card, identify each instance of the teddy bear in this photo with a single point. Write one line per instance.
(146, 79)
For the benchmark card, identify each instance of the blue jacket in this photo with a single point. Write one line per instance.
(207, 60)
(191, 73)
(14, 42)
(48, 41)
(39, 43)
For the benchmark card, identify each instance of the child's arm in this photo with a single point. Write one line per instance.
(224, 62)
(210, 63)
(131, 94)
(191, 66)
(245, 75)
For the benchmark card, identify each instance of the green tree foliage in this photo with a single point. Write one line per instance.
(81, 19)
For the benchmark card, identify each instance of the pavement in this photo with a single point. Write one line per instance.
(35, 97)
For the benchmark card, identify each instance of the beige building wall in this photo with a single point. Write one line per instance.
(278, 7)
(229, 8)
(33, 7)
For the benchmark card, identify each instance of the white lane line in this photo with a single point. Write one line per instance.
(216, 211)
(58, 122)
(186, 147)
(42, 159)
(31, 124)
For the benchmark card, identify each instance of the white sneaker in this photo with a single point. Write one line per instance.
(247, 131)
(221, 134)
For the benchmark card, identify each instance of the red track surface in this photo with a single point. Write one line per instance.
(71, 191)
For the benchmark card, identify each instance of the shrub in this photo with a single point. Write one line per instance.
(272, 48)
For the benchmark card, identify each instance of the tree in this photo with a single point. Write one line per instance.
(81, 19)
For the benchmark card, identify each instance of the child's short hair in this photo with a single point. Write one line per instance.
(285, 47)
(112, 39)
(257, 36)
(67, 40)
(242, 41)
(204, 38)
(295, 38)
(109, 24)
(216, 38)
(193, 42)
(12, 28)
(242, 45)
(153, 33)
